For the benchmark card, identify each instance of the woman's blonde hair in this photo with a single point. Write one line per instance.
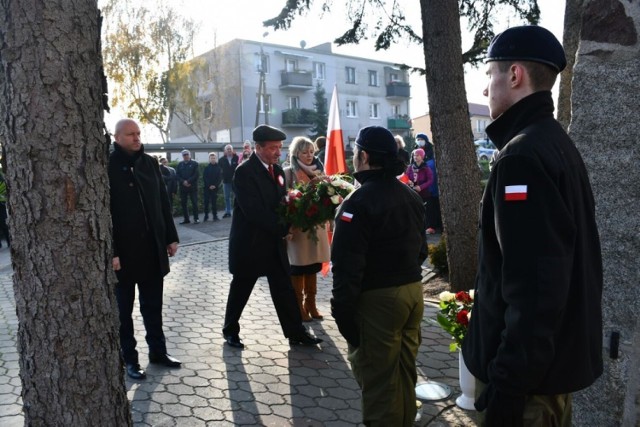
(298, 144)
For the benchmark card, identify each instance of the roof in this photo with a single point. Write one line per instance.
(478, 110)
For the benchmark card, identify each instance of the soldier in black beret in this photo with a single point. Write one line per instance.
(257, 245)
(535, 335)
(378, 247)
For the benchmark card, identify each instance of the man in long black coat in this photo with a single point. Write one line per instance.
(257, 244)
(144, 237)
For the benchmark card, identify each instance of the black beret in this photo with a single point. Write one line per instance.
(268, 133)
(377, 139)
(528, 43)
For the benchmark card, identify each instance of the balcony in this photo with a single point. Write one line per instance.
(399, 122)
(301, 80)
(398, 90)
(297, 118)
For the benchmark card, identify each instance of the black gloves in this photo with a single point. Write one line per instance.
(501, 409)
(347, 326)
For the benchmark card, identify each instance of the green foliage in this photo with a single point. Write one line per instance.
(321, 116)
(438, 257)
(386, 22)
(144, 57)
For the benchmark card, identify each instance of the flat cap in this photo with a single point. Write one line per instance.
(268, 133)
(184, 152)
(377, 139)
(528, 43)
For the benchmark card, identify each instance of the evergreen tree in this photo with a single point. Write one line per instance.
(321, 114)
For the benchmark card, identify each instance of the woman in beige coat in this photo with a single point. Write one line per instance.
(306, 255)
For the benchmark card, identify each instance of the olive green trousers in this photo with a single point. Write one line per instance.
(540, 410)
(384, 365)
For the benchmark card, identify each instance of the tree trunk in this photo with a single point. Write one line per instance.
(52, 121)
(456, 162)
(570, 40)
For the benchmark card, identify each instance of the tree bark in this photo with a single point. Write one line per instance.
(457, 167)
(570, 40)
(52, 120)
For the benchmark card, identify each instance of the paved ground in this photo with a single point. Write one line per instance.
(267, 384)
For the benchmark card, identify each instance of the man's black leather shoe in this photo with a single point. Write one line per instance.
(164, 359)
(135, 371)
(233, 341)
(304, 339)
(185, 222)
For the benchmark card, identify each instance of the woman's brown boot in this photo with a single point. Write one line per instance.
(310, 290)
(298, 286)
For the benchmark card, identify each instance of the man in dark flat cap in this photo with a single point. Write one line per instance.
(257, 245)
(379, 245)
(535, 335)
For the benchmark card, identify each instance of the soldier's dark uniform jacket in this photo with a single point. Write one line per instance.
(382, 214)
(540, 251)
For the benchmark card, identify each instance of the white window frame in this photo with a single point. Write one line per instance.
(352, 109)
(293, 102)
(394, 77)
(204, 109)
(395, 110)
(290, 65)
(259, 63)
(373, 78)
(319, 70)
(350, 75)
(374, 110)
(262, 103)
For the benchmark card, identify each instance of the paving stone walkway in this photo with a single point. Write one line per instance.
(267, 384)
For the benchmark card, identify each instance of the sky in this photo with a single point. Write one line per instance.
(223, 20)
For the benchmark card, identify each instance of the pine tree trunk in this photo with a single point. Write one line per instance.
(456, 162)
(51, 128)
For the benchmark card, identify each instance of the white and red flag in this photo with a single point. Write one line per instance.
(334, 158)
(515, 193)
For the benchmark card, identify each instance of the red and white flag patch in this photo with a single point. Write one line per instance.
(346, 216)
(515, 193)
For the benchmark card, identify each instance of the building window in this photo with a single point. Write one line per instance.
(265, 103)
(262, 63)
(395, 110)
(189, 118)
(373, 78)
(290, 65)
(318, 70)
(208, 109)
(394, 77)
(352, 109)
(373, 111)
(351, 75)
(294, 102)
(481, 125)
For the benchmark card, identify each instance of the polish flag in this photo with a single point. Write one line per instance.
(334, 158)
(515, 193)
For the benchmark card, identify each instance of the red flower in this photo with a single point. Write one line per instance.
(311, 210)
(463, 317)
(326, 202)
(464, 297)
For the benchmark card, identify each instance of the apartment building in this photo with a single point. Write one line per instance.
(247, 82)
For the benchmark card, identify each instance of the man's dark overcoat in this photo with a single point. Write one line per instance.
(139, 209)
(256, 244)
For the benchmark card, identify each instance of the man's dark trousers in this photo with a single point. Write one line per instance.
(193, 195)
(210, 198)
(151, 309)
(282, 295)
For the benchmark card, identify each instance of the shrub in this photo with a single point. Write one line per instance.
(438, 257)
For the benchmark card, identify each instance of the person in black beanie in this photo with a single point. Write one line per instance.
(379, 245)
(535, 334)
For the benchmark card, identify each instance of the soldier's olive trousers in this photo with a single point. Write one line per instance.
(540, 410)
(384, 365)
